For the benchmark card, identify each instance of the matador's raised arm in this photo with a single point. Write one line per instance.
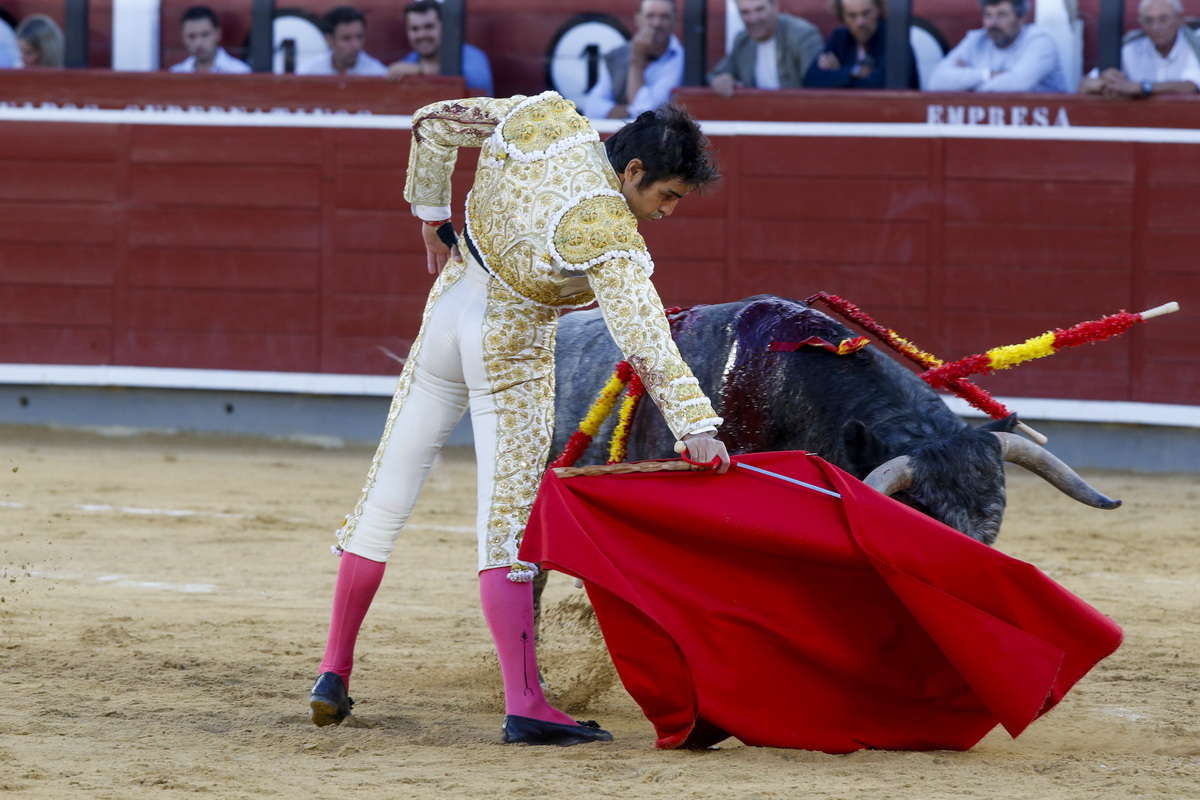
(634, 315)
(438, 130)
(598, 236)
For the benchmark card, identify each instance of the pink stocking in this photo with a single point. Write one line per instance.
(508, 607)
(357, 580)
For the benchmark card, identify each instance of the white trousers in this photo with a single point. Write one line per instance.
(484, 347)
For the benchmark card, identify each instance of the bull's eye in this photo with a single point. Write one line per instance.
(912, 502)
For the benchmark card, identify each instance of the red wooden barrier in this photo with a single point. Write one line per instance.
(291, 248)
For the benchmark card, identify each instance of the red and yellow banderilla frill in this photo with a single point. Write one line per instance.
(1047, 344)
(976, 396)
(595, 417)
(953, 376)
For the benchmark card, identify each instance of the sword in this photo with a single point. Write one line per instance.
(562, 472)
(676, 465)
(786, 478)
(681, 448)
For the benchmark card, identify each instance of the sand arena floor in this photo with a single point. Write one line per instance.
(164, 601)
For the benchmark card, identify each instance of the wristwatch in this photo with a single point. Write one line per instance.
(1147, 88)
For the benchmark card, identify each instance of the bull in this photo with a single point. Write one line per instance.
(863, 412)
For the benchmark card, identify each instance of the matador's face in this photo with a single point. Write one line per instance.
(655, 201)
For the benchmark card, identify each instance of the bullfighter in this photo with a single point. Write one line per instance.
(551, 223)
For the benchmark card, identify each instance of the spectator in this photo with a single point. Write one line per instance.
(41, 42)
(202, 38)
(1005, 55)
(345, 32)
(10, 53)
(1162, 58)
(855, 55)
(640, 74)
(773, 52)
(423, 24)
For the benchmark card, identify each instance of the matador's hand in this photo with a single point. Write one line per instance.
(828, 61)
(436, 251)
(706, 448)
(724, 84)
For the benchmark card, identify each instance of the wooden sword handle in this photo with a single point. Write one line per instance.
(622, 469)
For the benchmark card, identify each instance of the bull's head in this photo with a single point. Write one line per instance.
(969, 495)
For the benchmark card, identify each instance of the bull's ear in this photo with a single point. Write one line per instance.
(1006, 425)
(861, 444)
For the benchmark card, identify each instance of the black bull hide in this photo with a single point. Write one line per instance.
(856, 411)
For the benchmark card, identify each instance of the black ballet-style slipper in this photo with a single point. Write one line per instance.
(526, 730)
(328, 702)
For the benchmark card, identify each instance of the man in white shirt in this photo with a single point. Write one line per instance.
(773, 52)
(1005, 55)
(1162, 58)
(640, 74)
(202, 38)
(345, 32)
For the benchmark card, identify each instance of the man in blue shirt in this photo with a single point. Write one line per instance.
(423, 24)
(10, 53)
(640, 74)
(1005, 55)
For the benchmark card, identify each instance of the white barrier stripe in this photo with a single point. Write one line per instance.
(320, 118)
(229, 380)
(921, 130)
(209, 117)
(1098, 411)
(315, 383)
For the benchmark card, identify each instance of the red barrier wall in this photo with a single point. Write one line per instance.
(292, 249)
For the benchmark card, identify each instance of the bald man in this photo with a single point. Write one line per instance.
(1161, 58)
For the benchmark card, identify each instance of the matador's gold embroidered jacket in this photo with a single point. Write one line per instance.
(549, 220)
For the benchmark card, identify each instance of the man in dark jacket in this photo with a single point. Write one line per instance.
(771, 53)
(855, 55)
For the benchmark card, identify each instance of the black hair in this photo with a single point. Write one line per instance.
(839, 13)
(200, 12)
(341, 16)
(421, 6)
(669, 144)
(1019, 6)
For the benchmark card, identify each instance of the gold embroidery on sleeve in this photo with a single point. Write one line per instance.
(439, 130)
(634, 314)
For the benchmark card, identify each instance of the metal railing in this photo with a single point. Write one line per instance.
(75, 34)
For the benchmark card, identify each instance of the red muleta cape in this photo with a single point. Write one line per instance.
(741, 605)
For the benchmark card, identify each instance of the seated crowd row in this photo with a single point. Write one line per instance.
(774, 51)
(41, 45)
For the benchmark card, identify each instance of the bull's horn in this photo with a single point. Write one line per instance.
(1040, 461)
(891, 476)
